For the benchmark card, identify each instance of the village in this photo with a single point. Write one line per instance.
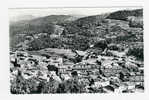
(96, 53)
(96, 73)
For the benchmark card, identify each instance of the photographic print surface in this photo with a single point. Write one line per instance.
(76, 50)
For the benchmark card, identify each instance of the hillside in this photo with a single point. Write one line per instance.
(69, 32)
(42, 22)
(124, 14)
(21, 29)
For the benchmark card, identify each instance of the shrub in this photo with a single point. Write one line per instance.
(101, 44)
(136, 22)
(71, 86)
(46, 42)
(113, 47)
(108, 53)
(23, 86)
(136, 51)
(30, 86)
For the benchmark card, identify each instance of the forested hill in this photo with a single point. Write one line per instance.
(39, 25)
(70, 32)
(124, 14)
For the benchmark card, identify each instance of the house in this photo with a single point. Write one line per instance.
(53, 75)
(101, 83)
(65, 76)
(84, 67)
(136, 78)
(21, 54)
(90, 61)
(42, 34)
(56, 60)
(38, 57)
(62, 69)
(54, 36)
(81, 53)
(120, 89)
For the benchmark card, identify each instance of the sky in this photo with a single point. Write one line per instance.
(14, 13)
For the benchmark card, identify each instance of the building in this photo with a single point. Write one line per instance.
(85, 68)
(56, 60)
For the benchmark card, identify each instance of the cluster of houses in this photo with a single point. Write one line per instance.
(112, 74)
